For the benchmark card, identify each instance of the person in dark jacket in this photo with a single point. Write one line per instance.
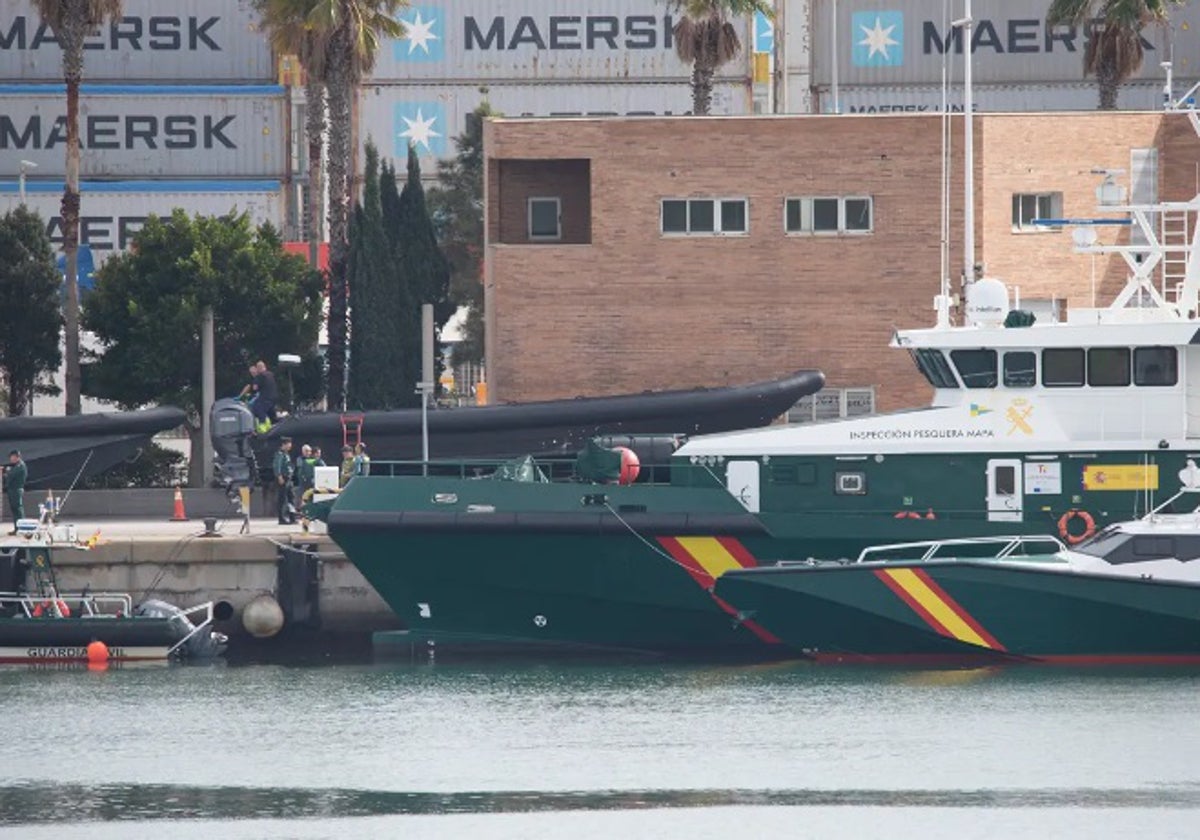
(266, 393)
(284, 471)
(14, 487)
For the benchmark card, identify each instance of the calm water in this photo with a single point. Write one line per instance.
(518, 750)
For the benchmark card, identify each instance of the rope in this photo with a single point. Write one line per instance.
(645, 541)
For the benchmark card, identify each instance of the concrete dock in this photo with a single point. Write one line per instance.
(323, 597)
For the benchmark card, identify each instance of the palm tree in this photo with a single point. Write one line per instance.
(706, 37)
(72, 21)
(287, 25)
(1114, 49)
(354, 30)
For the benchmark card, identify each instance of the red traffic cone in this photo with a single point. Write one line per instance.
(178, 515)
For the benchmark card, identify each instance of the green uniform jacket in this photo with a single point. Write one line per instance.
(17, 473)
(283, 466)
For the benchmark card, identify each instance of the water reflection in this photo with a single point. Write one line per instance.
(34, 803)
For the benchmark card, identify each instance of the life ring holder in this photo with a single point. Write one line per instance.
(1064, 526)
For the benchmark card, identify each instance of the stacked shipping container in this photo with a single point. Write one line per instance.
(529, 58)
(178, 109)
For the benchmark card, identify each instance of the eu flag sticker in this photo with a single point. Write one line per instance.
(420, 124)
(877, 39)
(424, 35)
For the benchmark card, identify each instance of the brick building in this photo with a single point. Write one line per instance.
(648, 253)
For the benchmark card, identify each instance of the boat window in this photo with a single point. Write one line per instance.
(1108, 367)
(850, 483)
(1103, 543)
(1020, 369)
(1187, 548)
(1006, 481)
(976, 367)
(1155, 366)
(935, 368)
(1153, 547)
(1062, 368)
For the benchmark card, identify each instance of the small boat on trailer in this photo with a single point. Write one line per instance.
(1128, 595)
(40, 623)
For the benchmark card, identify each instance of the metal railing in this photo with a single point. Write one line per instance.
(924, 550)
(207, 609)
(90, 605)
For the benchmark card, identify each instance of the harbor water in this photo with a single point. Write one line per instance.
(508, 750)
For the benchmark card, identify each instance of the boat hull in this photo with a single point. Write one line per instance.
(66, 639)
(580, 578)
(969, 611)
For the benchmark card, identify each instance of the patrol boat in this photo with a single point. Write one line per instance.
(1130, 594)
(40, 623)
(1035, 428)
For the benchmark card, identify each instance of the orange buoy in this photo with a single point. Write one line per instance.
(97, 653)
(630, 465)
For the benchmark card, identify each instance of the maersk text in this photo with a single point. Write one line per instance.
(160, 32)
(110, 131)
(570, 32)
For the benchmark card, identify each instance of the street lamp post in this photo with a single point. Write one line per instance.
(26, 165)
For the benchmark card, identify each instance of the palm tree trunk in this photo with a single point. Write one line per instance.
(1106, 78)
(72, 45)
(702, 84)
(340, 88)
(314, 98)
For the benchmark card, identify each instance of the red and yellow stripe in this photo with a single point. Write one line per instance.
(941, 612)
(706, 559)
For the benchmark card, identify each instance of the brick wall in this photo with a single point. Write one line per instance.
(635, 310)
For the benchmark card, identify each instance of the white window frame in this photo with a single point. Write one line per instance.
(1021, 225)
(806, 215)
(716, 202)
(557, 236)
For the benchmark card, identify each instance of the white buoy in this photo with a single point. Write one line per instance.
(262, 617)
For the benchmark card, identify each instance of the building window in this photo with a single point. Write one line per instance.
(705, 216)
(545, 219)
(1029, 206)
(829, 215)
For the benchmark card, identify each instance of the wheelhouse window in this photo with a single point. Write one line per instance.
(1063, 367)
(1155, 366)
(1029, 206)
(829, 215)
(545, 219)
(976, 368)
(934, 368)
(1108, 367)
(1020, 369)
(705, 216)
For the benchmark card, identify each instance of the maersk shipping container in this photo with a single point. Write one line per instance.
(1080, 96)
(898, 42)
(111, 212)
(153, 131)
(488, 41)
(187, 41)
(432, 116)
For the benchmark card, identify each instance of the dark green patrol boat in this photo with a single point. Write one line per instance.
(1129, 595)
(1036, 428)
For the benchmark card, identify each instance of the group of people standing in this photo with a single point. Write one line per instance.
(300, 474)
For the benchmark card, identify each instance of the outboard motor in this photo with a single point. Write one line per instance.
(232, 427)
(201, 643)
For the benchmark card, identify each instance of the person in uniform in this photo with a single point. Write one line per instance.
(284, 470)
(362, 461)
(14, 488)
(347, 469)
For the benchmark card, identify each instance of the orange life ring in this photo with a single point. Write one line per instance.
(1064, 530)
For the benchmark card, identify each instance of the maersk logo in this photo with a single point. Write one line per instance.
(424, 38)
(877, 38)
(420, 124)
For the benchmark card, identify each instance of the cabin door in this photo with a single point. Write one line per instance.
(741, 477)
(1005, 494)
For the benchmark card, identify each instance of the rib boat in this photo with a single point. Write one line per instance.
(42, 624)
(1129, 594)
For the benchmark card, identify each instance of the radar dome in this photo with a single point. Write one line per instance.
(987, 302)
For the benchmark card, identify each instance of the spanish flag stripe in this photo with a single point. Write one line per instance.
(967, 618)
(738, 552)
(710, 554)
(943, 612)
(885, 575)
(684, 559)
